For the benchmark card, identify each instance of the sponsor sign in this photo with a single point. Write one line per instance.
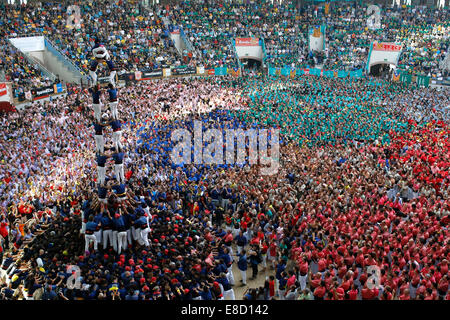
(3, 89)
(201, 70)
(127, 76)
(385, 46)
(43, 92)
(247, 42)
(28, 95)
(152, 74)
(184, 71)
(57, 88)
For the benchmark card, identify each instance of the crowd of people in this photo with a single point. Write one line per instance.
(285, 30)
(358, 209)
(363, 182)
(17, 69)
(138, 36)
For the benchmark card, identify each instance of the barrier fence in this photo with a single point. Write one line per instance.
(408, 78)
(297, 72)
(43, 92)
(178, 71)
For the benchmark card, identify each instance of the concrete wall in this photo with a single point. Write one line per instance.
(56, 67)
(28, 44)
(52, 64)
(382, 56)
(179, 43)
(250, 52)
(39, 55)
(316, 43)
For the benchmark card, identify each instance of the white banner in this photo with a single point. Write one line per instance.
(6, 92)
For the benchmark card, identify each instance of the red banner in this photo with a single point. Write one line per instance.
(385, 46)
(247, 42)
(3, 89)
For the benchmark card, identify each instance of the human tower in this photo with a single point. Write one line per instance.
(105, 118)
(104, 226)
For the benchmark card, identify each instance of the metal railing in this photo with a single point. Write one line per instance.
(263, 47)
(36, 64)
(67, 62)
(241, 66)
(187, 42)
(189, 46)
(50, 46)
(32, 60)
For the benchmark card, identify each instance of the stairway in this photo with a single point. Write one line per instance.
(445, 64)
(50, 61)
(61, 66)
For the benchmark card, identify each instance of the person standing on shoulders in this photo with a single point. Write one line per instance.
(89, 236)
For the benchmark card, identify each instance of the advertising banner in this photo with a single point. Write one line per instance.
(383, 52)
(356, 74)
(272, 71)
(6, 92)
(288, 71)
(57, 88)
(385, 46)
(235, 72)
(184, 71)
(396, 76)
(103, 80)
(28, 95)
(138, 75)
(243, 42)
(147, 75)
(130, 76)
(220, 71)
(3, 89)
(314, 72)
(405, 77)
(44, 92)
(423, 81)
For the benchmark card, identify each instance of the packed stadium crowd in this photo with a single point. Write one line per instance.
(358, 209)
(138, 37)
(377, 189)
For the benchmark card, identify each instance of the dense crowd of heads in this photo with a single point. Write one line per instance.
(363, 181)
(17, 69)
(138, 37)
